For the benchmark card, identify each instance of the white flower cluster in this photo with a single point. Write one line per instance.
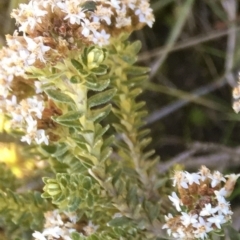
(49, 31)
(21, 53)
(60, 226)
(202, 204)
(56, 228)
(24, 116)
(95, 18)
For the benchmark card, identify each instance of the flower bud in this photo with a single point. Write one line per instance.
(95, 57)
(52, 188)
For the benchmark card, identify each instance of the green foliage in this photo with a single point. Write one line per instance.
(71, 192)
(20, 213)
(7, 178)
(119, 195)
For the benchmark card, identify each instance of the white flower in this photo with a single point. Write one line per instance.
(217, 220)
(188, 219)
(192, 178)
(115, 3)
(144, 13)
(90, 228)
(41, 137)
(222, 192)
(53, 232)
(202, 228)
(217, 177)
(73, 11)
(208, 210)
(176, 201)
(36, 48)
(179, 178)
(38, 86)
(101, 38)
(102, 13)
(38, 236)
(28, 15)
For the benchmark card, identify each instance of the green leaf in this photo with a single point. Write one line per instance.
(95, 84)
(99, 114)
(105, 154)
(76, 236)
(75, 79)
(132, 198)
(138, 79)
(73, 123)
(45, 86)
(119, 222)
(77, 65)
(151, 210)
(58, 96)
(55, 76)
(90, 200)
(87, 183)
(61, 149)
(101, 70)
(116, 176)
(74, 204)
(101, 97)
(136, 46)
(70, 116)
(135, 70)
(48, 149)
(134, 93)
(99, 131)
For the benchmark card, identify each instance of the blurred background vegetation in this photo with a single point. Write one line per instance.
(193, 50)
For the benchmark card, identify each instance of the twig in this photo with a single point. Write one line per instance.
(230, 7)
(212, 155)
(165, 111)
(183, 14)
(187, 43)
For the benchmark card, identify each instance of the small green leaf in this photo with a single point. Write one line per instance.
(137, 80)
(46, 86)
(99, 114)
(99, 131)
(136, 46)
(101, 97)
(106, 153)
(119, 222)
(67, 123)
(116, 176)
(48, 149)
(77, 65)
(58, 96)
(74, 204)
(97, 86)
(134, 70)
(135, 92)
(61, 149)
(70, 116)
(76, 236)
(90, 200)
(101, 70)
(151, 210)
(75, 79)
(87, 183)
(55, 76)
